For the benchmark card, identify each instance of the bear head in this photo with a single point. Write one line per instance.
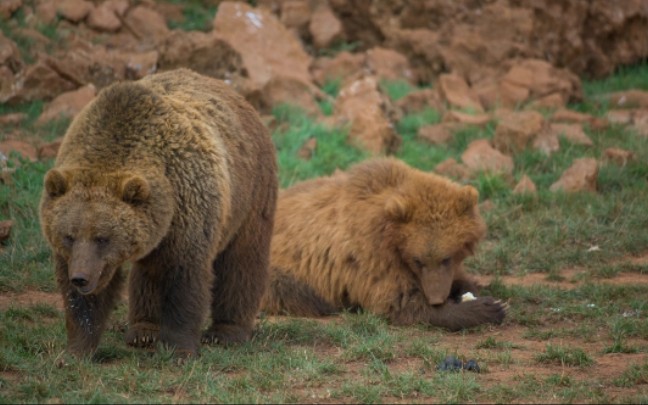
(96, 221)
(435, 226)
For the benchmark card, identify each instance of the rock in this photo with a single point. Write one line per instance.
(5, 230)
(324, 26)
(436, 134)
(618, 156)
(387, 64)
(453, 169)
(516, 130)
(551, 101)
(480, 156)
(24, 149)
(267, 48)
(338, 68)
(287, 90)
(74, 10)
(582, 175)
(422, 49)
(12, 118)
(620, 116)
(10, 55)
(307, 149)
(419, 100)
(295, 14)
(146, 24)
(49, 150)
(572, 132)
(480, 120)
(141, 64)
(627, 99)
(68, 104)
(8, 7)
(454, 89)
(103, 18)
(37, 82)
(364, 108)
(525, 186)
(542, 79)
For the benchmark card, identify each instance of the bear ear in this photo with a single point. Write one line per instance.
(468, 199)
(398, 208)
(135, 190)
(56, 183)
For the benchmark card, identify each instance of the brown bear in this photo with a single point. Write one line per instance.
(384, 237)
(176, 174)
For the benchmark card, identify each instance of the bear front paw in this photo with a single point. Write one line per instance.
(226, 334)
(142, 334)
(487, 309)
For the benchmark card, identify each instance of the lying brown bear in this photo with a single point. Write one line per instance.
(383, 237)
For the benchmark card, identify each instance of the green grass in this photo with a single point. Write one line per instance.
(197, 15)
(359, 357)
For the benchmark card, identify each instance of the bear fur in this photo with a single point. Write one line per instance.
(176, 174)
(384, 237)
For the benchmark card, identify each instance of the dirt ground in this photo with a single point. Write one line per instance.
(521, 364)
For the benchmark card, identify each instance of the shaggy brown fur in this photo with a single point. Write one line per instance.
(383, 237)
(177, 174)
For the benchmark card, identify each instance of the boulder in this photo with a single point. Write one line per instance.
(582, 175)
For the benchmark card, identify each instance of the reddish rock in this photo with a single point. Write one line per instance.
(436, 134)
(618, 156)
(451, 168)
(387, 64)
(45, 11)
(37, 82)
(295, 13)
(74, 10)
(542, 79)
(422, 49)
(67, 105)
(10, 55)
(267, 48)
(103, 18)
(572, 132)
(49, 150)
(8, 7)
(5, 229)
(627, 99)
(525, 186)
(546, 142)
(480, 120)
(24, 149)
(551, 101)
(287, 90)
(324, 26)
(12, 118)
(142, 64)
(454, 89)
(363, 107)
(516, 130)
(582, 175)
(480, 156)
(571, 117)
(640, 122)
(419, 100)
(307, 149)
(620, 116)
(340, 67)
(146, 24)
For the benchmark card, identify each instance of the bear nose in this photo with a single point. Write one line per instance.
(79, 281)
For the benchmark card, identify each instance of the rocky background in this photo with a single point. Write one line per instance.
(518, 63)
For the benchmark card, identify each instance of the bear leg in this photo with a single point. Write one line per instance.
(144, 309)
(241, 276)
(450, 315)
(86, 315)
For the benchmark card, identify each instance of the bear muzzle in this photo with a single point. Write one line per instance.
(84, 270)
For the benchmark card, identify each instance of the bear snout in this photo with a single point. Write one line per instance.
(83, 282)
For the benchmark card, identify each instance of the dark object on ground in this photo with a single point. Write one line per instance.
(451, 363)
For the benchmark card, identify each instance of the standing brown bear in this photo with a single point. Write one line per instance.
(383, 237)
(176, 174)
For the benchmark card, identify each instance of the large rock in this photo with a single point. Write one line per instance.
(266, 47)
(38, 81)
(324, 27)
(480, 156)
(74, 10)
(517, 129)
(454, 89)
(582, 175)
(388, 64)
(361, 105)
(67, 105)
(338, 68)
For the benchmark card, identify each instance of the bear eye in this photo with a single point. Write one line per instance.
(101, 241)
(419, 263)
(68, 240)
(446, 262)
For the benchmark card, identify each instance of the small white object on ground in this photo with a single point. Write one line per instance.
(468, 297)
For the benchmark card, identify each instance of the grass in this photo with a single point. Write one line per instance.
(197, 15)
(358, 357)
